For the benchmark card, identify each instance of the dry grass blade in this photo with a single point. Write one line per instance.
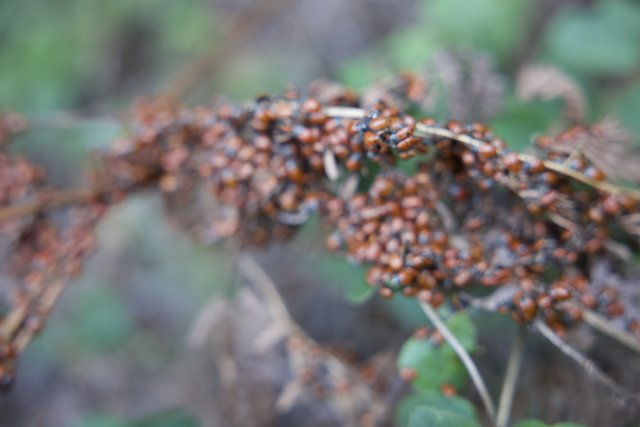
(471, 368)
(510, 380)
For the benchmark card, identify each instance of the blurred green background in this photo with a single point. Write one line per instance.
(114, 353)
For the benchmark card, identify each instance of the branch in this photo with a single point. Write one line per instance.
(510, 380)
(598, 322)
(464, 357)
(435, 131)
(46, 200)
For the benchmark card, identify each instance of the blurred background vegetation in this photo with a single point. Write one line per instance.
(114, 353)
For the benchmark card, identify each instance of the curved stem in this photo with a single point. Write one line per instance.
(464, 357)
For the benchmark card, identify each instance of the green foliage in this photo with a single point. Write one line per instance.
(625, 108)
(436, 365)
(601, 40)
(452, 404)
(496, 26)
(100, 321)
(435, 417)
(520, 121)
(170, 418)
(72, 44)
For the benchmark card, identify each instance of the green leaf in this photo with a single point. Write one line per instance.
(434, 366)
(520, 120)
(169, 418)
(462, 327)
(497, 26)
(454, 404)
(601, 40)
(423, 416)
(626, 107)
(530, 423)
(101, 421)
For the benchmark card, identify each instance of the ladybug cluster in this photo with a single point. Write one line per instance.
(43, 251)
(440, 210)
(473, 213)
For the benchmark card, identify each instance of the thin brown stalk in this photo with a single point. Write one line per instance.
(47, 200)
(598, 322)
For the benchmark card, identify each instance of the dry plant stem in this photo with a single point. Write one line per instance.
(510, 380)
(431, 131)
(464, 356)
(66, 197)
(46, 303)
(598, 322)
(254, 272)
(588, 365)
(46, 200)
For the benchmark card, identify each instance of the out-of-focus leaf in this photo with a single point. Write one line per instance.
(497, 26)
(519, 121)
(101, 421)
(100, 320)
(410, 48)
(454, 404)
(424, 416)
(626, 107)
(362, 72)
(170, 418)
(530, 423)
(602, 40)
(56, 55)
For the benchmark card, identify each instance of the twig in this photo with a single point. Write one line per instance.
(47, 301)
(598, 322)
(431, 131)
(587, 364)
(464, 357)
(46, 200)
(510, 380)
